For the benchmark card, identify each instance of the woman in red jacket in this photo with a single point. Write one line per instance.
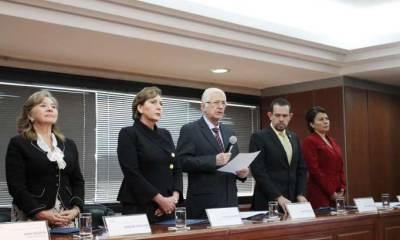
(327, 180)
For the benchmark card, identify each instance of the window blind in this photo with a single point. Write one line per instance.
(76, 121)
(93, 120)
(114, 112)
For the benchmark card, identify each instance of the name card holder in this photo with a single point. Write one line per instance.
(300, 210)
(219, 217)
(35, 230)
(366, 204)
(127, 225)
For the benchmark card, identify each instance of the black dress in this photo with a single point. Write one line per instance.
(34, 182)
(147, 159)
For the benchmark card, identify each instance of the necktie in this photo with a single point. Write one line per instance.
(218, 138)
(286, 145)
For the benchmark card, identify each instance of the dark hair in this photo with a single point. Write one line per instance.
(281, 102)
(142, 96)
(311, 114)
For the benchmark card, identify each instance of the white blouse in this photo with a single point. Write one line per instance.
(55, 155)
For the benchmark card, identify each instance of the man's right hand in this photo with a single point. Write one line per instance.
(222, 158)
(282, 201)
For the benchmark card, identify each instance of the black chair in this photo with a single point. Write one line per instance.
(5, 215)
(98, 211)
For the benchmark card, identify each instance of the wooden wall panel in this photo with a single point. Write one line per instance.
(332, 100)
(357, 157)
(389, 226)
(392, 233)
(264, 109)
(395, 140)
(382, 149)
(362, 235)
(364, 123)
(301, 102)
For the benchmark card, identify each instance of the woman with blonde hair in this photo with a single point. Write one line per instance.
(42, 166)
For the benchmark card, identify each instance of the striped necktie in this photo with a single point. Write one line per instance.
(218, 138)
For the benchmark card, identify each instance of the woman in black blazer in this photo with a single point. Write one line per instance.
(42, 167)
(152, 181)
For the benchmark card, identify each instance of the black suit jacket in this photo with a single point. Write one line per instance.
(208, 188)
(271, 170)
(33, 181)
(145, 156)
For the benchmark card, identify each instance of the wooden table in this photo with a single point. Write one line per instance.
(353, 226)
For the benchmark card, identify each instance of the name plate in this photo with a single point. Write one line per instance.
(36, 230)
(219, 217)
(127, 225)
(365, 204)
(300, 210)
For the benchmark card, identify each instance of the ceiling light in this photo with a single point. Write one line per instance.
(219, 70)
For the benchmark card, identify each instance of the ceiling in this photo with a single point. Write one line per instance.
(349, 24)
(126, 39)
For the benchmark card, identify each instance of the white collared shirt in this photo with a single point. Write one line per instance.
(284, 139)
(211, 126)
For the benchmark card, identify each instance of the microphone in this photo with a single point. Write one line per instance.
(232, 141)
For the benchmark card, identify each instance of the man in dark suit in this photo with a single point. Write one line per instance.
(279, 170)
(200, 149)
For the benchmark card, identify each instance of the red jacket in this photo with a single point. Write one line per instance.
(325, 166)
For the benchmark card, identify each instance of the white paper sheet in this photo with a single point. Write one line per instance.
(242, 160)
(219, 217)
(300, 210)
(365, 204)
(127, 225)
(35, 230)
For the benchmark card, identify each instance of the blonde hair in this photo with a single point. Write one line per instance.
(142, 96)
(25, 126)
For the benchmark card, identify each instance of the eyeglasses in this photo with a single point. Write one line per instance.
(217, 103)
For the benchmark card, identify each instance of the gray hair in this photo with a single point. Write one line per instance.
(208, 92)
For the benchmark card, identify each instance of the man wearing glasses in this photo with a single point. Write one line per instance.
(202, 150)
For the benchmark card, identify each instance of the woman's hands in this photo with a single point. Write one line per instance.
(335, 195)
(53, 218)
(166, 204)
(71, 214)
(62, 218)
